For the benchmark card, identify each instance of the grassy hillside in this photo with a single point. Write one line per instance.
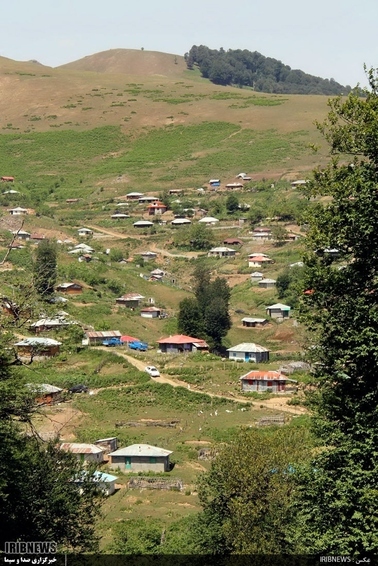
(146, 96)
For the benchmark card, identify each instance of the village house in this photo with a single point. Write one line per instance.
(18, 211)
(72, 288)
(156, 208)
(71, 200)
(96, 337)
(243, 176)
(107, 445)
(48, 324)
(104, 482)
(221, 252)
(45, 394)
(256, 276)
(85, 232)
(208, 220)
(248, 352)
(141, 458)
(21, 235)
(150, 312)
(5, 179)
(180, 222)
(134, 196)
(148, 256)
(262, 234)
(37, 237)
(130, 300)
(176, 191)
(234, 186)
(267, 283)
(82, 248)
(86, 453)
(37, 347)
(157, 275)
(292, 237)
(251, 322)
(180, 343)
(214, 182)
(143, 224)
(265, 381)
(233, 242)
(258, 260)
(119, 216)
(147, 199)
(278, 310)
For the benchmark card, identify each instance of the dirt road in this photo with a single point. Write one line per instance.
(275, 404)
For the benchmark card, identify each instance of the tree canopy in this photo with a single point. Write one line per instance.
(337, 507)
(207, 314)
(265, 74)
(45, 268)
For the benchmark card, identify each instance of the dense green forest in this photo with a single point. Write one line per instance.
(264, 74)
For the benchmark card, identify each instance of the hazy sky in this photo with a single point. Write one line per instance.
(327, 38)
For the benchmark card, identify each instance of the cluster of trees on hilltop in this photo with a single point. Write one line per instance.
(264, 74)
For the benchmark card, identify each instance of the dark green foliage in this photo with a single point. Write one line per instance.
(196, 237)
(246, 494)
(264, 74)
(289, 285)
(337, 507)
(40, 500)
(208, 312)
(189, 318)
(232, 204)
(45, 268)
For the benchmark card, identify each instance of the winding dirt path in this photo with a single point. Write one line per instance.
(275, 404)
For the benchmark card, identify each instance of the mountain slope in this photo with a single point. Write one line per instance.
(131, 62)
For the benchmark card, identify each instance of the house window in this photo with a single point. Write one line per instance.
(153, 460)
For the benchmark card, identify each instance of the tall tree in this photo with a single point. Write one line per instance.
(45, 268)
(247, 492)
(337, 506)
(189, 319)
(40, 499)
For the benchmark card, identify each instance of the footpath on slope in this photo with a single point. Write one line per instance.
(276, 404)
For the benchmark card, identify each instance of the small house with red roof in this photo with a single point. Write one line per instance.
(265, 382)
(258, 260)
(181, 343)
(156, 208)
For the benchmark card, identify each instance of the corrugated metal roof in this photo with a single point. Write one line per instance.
(43, 388)
(141, 450)
(77, 448)
(221, 249)
(131, 297)
(38, 342)
(249, 319)
(247, 347)
(279, 306)
(103, 334)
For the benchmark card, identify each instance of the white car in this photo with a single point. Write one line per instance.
(152, 371)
